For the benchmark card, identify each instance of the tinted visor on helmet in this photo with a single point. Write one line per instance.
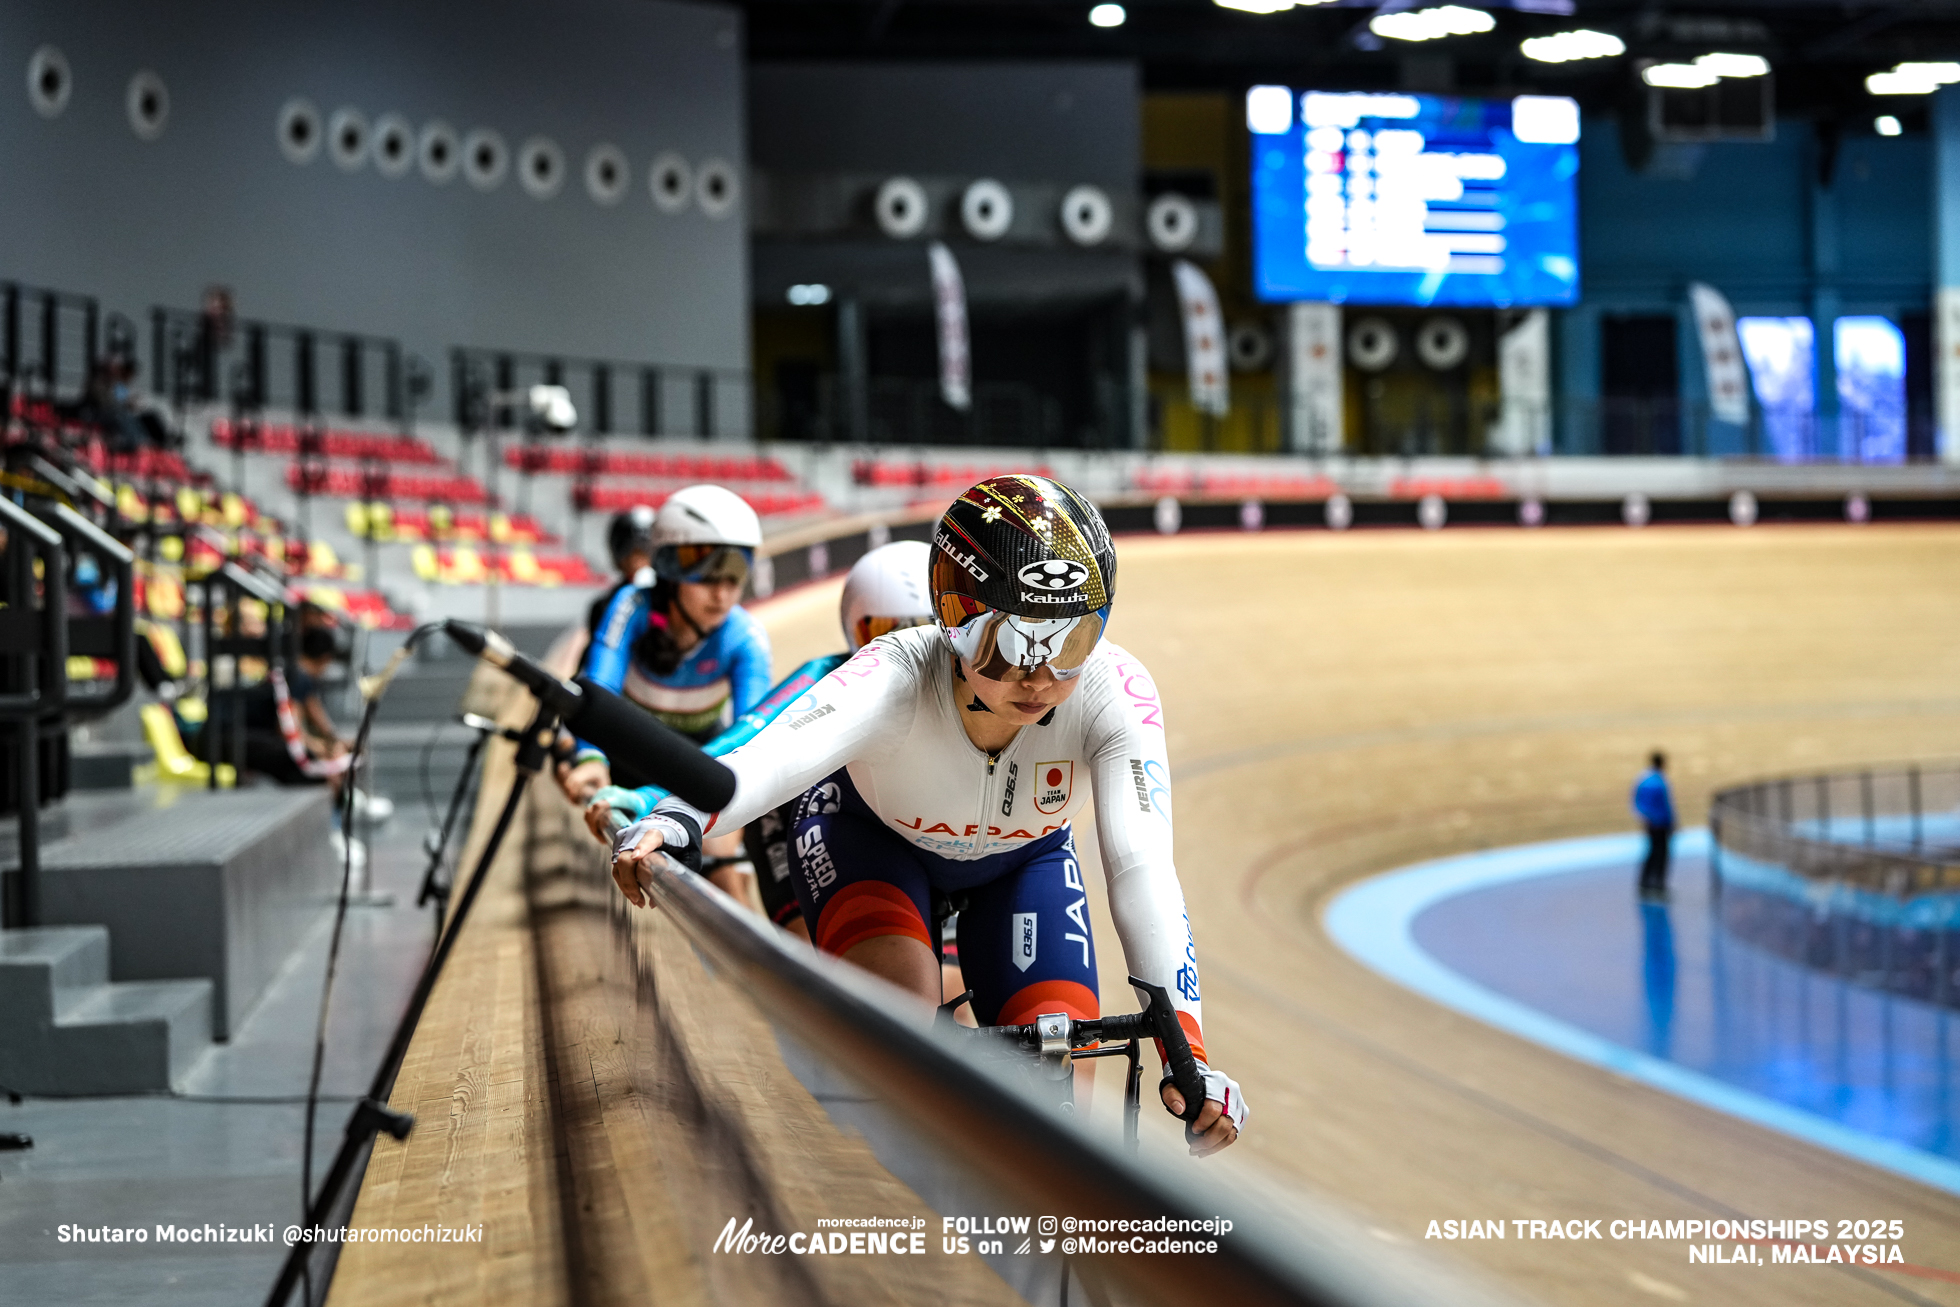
(1003, 647)
(705, 564)
(870, 628)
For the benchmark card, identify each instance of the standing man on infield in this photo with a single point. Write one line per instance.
(1655, 807)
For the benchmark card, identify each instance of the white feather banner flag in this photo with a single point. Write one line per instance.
(949, 302)
(1204, 339)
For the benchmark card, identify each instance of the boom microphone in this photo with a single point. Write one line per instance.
(622, 729)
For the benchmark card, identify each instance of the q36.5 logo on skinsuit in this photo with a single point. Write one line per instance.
(1054, 575)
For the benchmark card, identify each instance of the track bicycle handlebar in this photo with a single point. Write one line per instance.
(1158, 1021)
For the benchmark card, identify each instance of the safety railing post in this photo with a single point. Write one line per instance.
(601, 423)
(1912, 783)
(1865, 798)
(352, 402)
(307, 397)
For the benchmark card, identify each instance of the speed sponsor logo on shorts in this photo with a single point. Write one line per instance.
(818, 870)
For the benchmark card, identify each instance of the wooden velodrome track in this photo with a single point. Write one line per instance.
(1337, 706)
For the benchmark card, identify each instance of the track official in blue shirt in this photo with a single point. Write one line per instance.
(1655, 807)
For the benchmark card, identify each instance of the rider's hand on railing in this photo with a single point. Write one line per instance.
(1219, 1121)
(598, 820)
(629, 867)
(580, 783)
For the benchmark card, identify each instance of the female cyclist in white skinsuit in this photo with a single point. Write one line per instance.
(961, 769)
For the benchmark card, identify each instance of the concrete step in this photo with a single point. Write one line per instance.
(43, 967)
(66, 1029)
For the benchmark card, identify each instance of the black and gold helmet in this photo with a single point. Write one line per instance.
(1023, 574)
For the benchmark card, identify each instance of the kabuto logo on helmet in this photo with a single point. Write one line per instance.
(1054, 574)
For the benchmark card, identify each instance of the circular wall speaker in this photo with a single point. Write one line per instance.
(485, 159)
(1531, 512)
(606, 173)
(986, 210)
(715, 188)
(394, 146)
(901, 208)
(1743, 508)
(1372, 344)
(147, 101)
(1857, 508)
(671, 182)
(540, 167)
(1249, 346)
(439, 154)
(1087, 215)
(1636, 509)
(347, 138)
(1432, 512)
(49, 83)
(299, 131)
(1442, 343)
(1171, 222)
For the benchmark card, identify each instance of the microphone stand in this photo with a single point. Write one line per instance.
(432, 888)
(373, 1115)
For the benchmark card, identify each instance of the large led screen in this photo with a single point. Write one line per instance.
(1366, 198)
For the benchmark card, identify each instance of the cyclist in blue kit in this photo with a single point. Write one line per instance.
(886, 590)
(682, 648)
(955, 758)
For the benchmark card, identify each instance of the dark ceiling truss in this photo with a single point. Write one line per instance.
(1821, 50)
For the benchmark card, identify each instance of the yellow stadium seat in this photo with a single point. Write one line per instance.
(423, 559)
(174, 762)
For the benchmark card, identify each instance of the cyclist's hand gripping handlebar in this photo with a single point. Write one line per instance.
(1178, 1059)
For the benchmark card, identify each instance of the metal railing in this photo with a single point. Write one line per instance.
(50, 341)
(981, 1116)
(254, 365)
(612, 396)
(1857, 873)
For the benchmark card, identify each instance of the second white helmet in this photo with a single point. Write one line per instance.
(887, 590)
(698, 528)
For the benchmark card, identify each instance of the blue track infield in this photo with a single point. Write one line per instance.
(1549, 942)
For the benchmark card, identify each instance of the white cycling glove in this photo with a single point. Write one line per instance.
(1221, 1089)
(676, 837)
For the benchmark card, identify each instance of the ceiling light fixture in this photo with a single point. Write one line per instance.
(1734, 65)
(1886, 125)
(1564, 47)
(1431, 24)
(1678, 77)
(1107, 15)
(1913, 79)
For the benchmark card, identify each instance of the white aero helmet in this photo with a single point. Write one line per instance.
(705, 533)
(887, 590)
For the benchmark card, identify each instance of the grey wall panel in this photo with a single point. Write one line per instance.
(1059, 122)
(89, 206)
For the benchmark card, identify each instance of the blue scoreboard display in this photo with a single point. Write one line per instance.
(1367, 198)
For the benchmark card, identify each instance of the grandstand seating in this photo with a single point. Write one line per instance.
(439, 523)
(617, 498)
(358, 483)
(1227, 484)
(467, 565)
(879, 472)
(358, 445)
(681, 467)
